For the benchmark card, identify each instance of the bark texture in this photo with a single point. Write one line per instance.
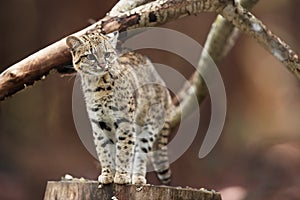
(80, 190)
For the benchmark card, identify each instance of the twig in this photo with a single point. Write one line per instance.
(221, 38)
(154, 13)
(252, 26)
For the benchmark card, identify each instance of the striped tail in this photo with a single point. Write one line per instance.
(159, 156)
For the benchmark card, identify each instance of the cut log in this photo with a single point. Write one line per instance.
(79, 190)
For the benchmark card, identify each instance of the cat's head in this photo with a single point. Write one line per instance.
(93, 53)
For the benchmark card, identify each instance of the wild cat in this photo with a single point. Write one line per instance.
(128, 106)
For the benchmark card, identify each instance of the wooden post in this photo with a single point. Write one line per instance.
(79, 190)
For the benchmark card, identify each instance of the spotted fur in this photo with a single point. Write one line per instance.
(129, 108)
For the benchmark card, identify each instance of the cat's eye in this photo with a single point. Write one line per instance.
(106, 55)
(90, 57)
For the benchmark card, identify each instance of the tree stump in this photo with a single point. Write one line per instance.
(79, 190)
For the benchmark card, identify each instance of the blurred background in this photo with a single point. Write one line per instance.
(256, 157)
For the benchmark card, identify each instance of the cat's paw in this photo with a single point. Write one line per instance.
(122, 178)
(105, 178)
(138, 180)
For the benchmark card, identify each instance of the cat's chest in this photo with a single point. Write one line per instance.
(108, 94)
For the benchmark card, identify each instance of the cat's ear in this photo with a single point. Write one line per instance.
(113, 38)
(73, 42)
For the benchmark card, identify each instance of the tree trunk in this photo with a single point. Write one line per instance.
(79, 190)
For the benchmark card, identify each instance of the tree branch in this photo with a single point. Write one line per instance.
(155, 13)
(252, 26)
(221, 38)
(36, 66)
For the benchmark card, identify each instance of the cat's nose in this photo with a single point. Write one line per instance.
(102, 65)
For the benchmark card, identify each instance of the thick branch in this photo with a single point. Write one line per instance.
(33, 68)
(221, 38)
(155, 13)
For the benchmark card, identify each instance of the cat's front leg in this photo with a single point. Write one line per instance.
(144, 143)
(125, 137)
(104, 141)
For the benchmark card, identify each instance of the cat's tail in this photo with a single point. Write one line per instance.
(159, 157)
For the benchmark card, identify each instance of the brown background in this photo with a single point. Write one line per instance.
(258, 152)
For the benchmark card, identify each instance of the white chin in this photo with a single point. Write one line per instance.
(98, 73)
